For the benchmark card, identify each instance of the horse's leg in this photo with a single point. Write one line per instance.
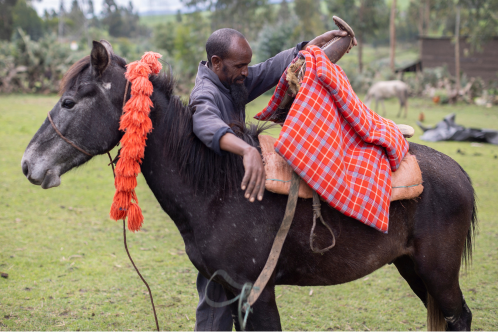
(439, 269)
(406, 268)
(265, 316)
(406, 106)
(400, 106)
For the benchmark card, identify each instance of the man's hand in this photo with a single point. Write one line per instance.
(254, 177)
(327, 36)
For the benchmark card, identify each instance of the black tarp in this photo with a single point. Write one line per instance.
(448, 130)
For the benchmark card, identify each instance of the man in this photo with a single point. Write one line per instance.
(223, 86)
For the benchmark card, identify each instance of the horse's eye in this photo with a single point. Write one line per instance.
(68, 103)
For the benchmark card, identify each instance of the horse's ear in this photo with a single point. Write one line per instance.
(107, 45)
(100, 58)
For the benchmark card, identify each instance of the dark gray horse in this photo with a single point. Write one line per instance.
(428, 238)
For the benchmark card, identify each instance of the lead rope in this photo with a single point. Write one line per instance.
(124, 229)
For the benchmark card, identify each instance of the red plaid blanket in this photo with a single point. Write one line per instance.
(341, 148)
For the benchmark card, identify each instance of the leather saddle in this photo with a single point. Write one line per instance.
(406, 182)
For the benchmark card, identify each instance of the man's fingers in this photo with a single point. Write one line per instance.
(262, 187)
(355, 43)
(257, 185)
(251, 185)
(245, 180)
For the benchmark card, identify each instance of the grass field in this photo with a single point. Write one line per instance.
(68, 269)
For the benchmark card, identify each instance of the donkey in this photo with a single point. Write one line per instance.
(388, 89)
(428, 240)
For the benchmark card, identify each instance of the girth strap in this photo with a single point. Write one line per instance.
(271, 263)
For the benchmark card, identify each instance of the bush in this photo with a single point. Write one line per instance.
(34, 66)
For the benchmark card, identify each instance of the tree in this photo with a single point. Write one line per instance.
(26, 18)
(310, 23)
(366, 17)
(178, 16)
(6, 19)
(392, 34)
(284, 12)
(121, 21)
(246, 16)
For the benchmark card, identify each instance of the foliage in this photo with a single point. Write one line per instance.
(26, 18)
(6, 19)
(121, 21)
(478, 23)
(275, 38)
(68, 269)
(184, 45)
(246, 16)
(309, 14)
(34, 66)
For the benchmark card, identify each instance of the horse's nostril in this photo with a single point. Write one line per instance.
(25, 168)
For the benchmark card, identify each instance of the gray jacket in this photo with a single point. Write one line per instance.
(212, 103)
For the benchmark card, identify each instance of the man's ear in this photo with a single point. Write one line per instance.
(216, 62)
(100, 57)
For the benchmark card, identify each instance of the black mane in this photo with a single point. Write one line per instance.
(199, 166)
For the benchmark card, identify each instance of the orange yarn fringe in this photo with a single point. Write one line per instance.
(136, 124)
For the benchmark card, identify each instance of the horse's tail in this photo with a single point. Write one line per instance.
(435, 318)
(469, 241)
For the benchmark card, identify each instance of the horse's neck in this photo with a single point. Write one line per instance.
(163, 176)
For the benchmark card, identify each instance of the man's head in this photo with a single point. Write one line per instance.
(229, 55)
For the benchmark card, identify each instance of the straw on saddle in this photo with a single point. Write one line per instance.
(406, 182)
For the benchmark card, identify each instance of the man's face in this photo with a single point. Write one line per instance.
(234, 68)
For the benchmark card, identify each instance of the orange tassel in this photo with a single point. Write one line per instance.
(135, 217)
(127, 168)
(142, 85)
(127, 183)
(136, 124)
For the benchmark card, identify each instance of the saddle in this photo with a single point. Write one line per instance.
(406, 182)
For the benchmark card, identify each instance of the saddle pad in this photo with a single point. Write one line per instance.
(406, 182)
(278, 172)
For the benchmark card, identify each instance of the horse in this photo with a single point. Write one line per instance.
(388, 89)
(429, 237)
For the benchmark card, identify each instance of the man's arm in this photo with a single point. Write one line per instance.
(254, 176)
(264, 76)
(216, 134)
(208, 125)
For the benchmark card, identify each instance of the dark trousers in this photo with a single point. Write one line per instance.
(209, 318)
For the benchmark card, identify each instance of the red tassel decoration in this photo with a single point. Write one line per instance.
(136, 124)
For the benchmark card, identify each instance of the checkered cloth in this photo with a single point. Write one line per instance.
(342, 149)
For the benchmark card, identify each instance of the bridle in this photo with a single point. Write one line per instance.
(113, 173)
(83, 150)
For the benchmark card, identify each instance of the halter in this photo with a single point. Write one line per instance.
(82, 150)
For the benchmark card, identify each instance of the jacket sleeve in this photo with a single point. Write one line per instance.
(207, 122)
(265, 75)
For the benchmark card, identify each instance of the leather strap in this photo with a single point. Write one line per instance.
(271, 263)
(65, 139)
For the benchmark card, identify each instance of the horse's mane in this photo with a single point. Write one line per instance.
(199, 166)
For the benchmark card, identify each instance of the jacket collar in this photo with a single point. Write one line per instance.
(204, 73)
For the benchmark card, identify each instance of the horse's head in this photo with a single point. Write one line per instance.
(87, 114)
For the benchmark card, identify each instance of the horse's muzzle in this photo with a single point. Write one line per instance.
(47, 179)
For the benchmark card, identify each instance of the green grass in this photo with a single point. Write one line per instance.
(68, 269)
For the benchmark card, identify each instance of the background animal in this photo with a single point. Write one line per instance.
(427, 241)
(388, 89)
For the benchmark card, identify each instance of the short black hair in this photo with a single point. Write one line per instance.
(219, 43)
